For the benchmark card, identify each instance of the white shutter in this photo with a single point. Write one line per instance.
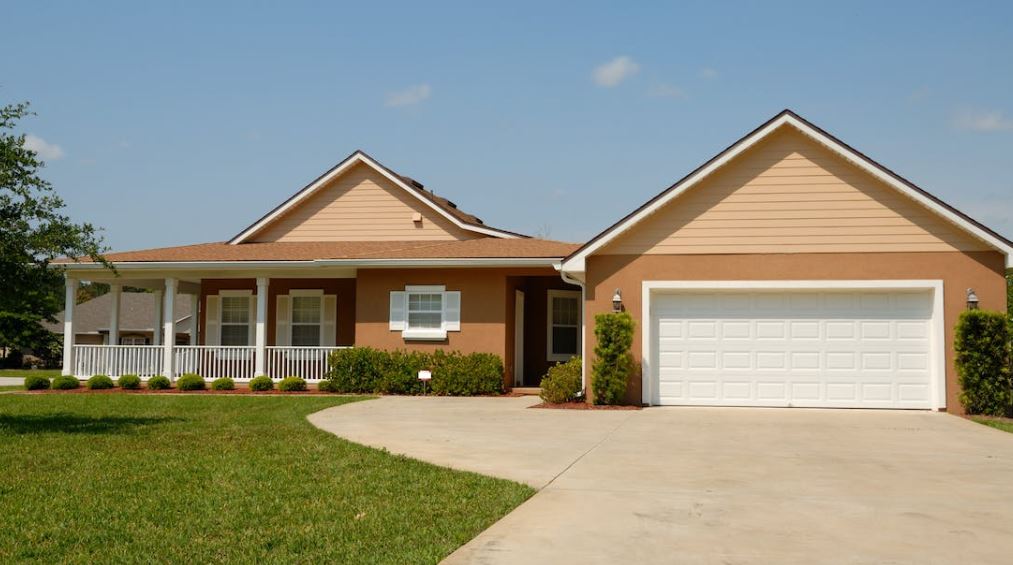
(283, 320)
(397, 310)
(452, 311)
(329, 320)
(252, 327)
(212, 328)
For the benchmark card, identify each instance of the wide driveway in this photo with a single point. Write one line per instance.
(714, 485)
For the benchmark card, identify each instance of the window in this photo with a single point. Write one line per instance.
(306, 320)
(425, 312)
(133, 340)
(235, 320)
(564, 324)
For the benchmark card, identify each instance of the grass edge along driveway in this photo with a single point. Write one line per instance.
(126, 478)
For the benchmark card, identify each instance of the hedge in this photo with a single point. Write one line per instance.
(129, 382)
(613, 363)
(100, 382)
(190, 381)
(562, 383)
(159, 382)
(36, 382)
(292, 384)
(66, 382)
(368, 370)
(223, 383)
(982, 346)
(261, 383)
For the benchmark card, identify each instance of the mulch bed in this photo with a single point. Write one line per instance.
(582, 406)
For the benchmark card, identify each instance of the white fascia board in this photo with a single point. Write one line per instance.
(356, 158)
(577, 262)
(318, 263)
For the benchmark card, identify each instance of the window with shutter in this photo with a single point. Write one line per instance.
(425, 311)
(563, 332)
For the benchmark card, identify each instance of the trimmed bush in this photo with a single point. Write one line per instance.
(223, 383)
(368, 370)
(327, 386)
(613, 362)
(36, 382)
(562, 383)
(129, 382)
(66, 382)
(982, 346)
(292, 384)
(190, 381)
(261, 383)
(99, 382)
(159, 382)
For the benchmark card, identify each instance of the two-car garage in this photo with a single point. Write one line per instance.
(841, 344)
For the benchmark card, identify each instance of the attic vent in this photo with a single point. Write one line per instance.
(413, 182)
(451, 204)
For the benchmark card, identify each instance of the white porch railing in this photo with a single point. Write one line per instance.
(214, 361)
(309, 363)
(115, 360)
(208, 361)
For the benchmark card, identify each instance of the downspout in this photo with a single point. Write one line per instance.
(583, 325)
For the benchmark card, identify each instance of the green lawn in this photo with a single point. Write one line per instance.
(25, 372)
(133, 478)
(1004, 424)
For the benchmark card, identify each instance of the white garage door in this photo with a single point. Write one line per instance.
(862, 349)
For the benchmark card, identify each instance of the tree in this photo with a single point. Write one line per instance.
(33, 232)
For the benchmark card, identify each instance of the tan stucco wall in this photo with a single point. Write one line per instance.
(983, 271)
(789, 194)
(361, 205)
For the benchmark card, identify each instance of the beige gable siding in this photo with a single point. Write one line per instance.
(790, 194)
(361, 205)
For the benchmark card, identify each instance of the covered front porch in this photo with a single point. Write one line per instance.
(287, 319)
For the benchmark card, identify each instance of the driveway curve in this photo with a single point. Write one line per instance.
(713, 485)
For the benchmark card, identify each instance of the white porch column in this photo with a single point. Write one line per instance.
(69, 299)
(260, 360)
(194, 317)
(156, 333)
(114, 314)
(169, 324)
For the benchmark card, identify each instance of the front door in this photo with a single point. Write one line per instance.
(518, 338)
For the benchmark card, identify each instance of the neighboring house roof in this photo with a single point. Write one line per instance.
(491, 248)
(137, 314)
(445, 207)
(575, 262)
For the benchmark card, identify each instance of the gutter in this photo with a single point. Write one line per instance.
(317, 263)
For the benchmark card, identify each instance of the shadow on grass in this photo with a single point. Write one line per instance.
(73, 424)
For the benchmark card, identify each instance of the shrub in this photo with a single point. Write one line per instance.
(190, 381)
(368, 370)
(261, 383)
(455, 374)
(66, 382)
(36, 382)
(327, 386)
(292, 384)
(129, 382)
(159, 382)
(223, 383)
(99, 382)
(562, 383)
(613, 362)
(982, 346)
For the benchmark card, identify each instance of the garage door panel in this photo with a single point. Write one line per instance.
(801, 348)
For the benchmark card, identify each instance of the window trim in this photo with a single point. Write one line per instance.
(559, 293)
(293, 293)
(439, 333)
(222, 294)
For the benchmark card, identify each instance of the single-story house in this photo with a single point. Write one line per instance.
(137, 319)
(789, 270)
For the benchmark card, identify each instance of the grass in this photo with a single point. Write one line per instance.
(25, 372)
(1004, 424)
(131, 479)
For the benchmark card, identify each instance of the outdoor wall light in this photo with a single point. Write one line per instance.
(972, 299)
(617, 301)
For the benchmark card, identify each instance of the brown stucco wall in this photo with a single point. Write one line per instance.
(343, 288)
(486, 309)
(983, 271)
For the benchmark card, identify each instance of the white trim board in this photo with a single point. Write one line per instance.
(938, 338)
(576, 262)
(338, 170)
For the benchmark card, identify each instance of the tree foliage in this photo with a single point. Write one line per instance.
(33, 232)
(982, 346)
(613, 363)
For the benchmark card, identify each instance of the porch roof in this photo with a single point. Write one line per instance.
(483, 248)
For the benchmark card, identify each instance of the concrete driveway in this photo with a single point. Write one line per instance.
(714, 485)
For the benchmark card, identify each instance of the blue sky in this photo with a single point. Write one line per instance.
(169, 124)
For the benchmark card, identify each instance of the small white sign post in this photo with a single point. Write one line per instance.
(425, 377)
